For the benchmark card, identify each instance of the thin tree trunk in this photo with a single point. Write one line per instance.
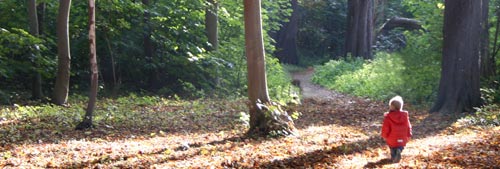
(149, 48)
(113, 69)
(211, 24)
(262, 120)
(487, 61)
(41, 17)
(61, 88)
(37, 77)
(87, 120)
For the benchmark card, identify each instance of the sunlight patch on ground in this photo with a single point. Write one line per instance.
(414, 151)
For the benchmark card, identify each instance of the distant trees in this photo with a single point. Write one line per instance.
(286, 37)
(265, 116)
(61, 88)
(459, 84)
(359, 35)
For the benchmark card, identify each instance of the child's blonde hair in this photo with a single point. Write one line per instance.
(396, 102)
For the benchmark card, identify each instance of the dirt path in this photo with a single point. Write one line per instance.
(434, 136)
(310, 90)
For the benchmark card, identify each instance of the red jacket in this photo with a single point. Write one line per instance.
(396, 129)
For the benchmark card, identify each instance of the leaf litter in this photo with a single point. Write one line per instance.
(339, 132)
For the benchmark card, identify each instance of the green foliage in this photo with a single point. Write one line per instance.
(20, 52)
(21, 56)
(227, 65)
(278, 81)
(412, 72)
(489, 113)
(380, 79)
(180, 64)
(321, 35)
(332, 70)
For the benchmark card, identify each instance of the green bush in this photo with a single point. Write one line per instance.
(332, 70)
(385, 76)
(489, 113)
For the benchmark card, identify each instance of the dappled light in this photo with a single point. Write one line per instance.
(338, 134)
(306, 84)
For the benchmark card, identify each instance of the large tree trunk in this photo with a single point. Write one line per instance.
(61, 89)
(359, 38)
(36, 90)
(211, 24)
(286, 38)
(87, 120)
(263, 120)
(459, 84)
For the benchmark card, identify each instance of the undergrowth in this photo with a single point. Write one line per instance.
(130, 111)
(379, 79)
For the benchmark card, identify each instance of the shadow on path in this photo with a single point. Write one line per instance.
(325, 157)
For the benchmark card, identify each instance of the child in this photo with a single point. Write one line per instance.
(396, 129)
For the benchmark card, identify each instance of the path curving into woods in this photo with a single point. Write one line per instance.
(313, 91)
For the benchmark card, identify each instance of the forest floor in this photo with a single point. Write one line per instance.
(334, 131)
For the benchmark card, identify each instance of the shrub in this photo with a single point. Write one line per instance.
(385, 76)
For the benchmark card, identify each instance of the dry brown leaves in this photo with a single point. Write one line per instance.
(336, 133)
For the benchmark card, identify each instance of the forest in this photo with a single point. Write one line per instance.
(249, 83)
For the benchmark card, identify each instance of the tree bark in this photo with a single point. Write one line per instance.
(211, 24)
(488, 62)
(41, 17)
(87, 120)
(459, 85)
(286, 38)
(36, 90)
(359, 37)
(261, 116)
(61, 89)
(149, 48)
(496, 46)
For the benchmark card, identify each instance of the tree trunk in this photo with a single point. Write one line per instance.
(379, 7)
(400, 22)
(459, 84)
(211, 24)
(148, 47)
(359, 38)
(36, 90)
(286, 38)
(263, 120)
(64, 59)
(87, 120)
(496, 46)
(41, 17)
(488, 62)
